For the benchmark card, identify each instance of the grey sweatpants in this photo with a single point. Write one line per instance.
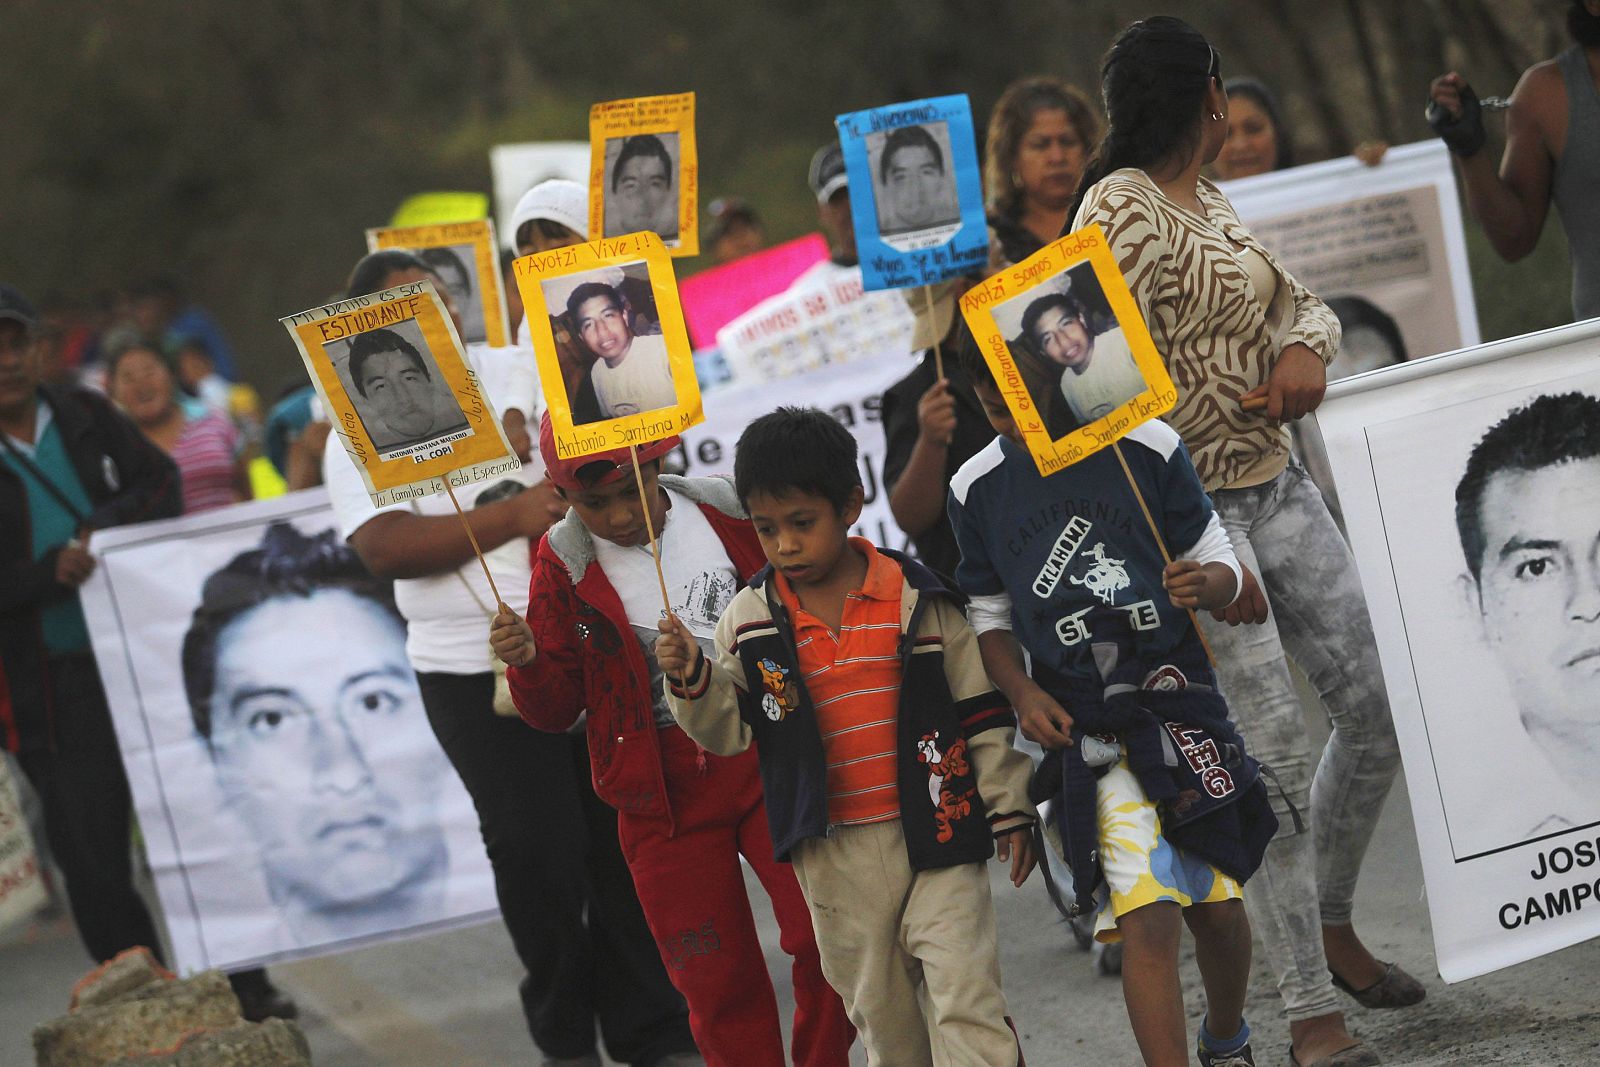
(1282, 531)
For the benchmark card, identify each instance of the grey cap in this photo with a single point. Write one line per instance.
(13, 305)
(827, 175)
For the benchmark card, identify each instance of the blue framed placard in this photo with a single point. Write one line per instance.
(916, 193)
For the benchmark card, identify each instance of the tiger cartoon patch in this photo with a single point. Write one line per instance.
(780, 698)
(948, 805)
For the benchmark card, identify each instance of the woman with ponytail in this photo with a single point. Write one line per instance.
(1248, 347)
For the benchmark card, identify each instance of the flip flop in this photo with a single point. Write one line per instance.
(1396, 989)
(1357, 1055)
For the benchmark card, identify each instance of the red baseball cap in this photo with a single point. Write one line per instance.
(606, 466)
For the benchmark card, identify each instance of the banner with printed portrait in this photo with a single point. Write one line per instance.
(1384, 246)
(464, 257)
(916, 191)
(292, 797)
(644, 171)
(1471, 492)
(607, 330)
(403, 399)
(1066, 343)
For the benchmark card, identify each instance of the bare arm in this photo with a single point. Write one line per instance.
(400, 544)
(1042, 719)
(917, 497)
(1511, 203)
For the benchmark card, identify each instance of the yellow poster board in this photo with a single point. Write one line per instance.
(644, 171)
(403, 400)
(614, 357)
(464, 256)
(1069, 349)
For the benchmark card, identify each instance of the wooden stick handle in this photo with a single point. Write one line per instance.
(1254, 403)
(499, 601)
(650, 529)
(938, 352)
(1166, 557)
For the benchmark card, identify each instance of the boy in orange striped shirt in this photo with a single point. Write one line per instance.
(885, 751)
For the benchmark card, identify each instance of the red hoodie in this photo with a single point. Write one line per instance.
(589, 659)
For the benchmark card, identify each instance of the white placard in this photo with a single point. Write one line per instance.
(321, 814)
(1485, 599)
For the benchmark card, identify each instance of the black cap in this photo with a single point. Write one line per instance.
(13, 305)
(827, 174)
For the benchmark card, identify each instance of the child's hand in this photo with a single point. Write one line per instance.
(677, 652)
(1249, 607)
(1017, 846)
(1185, 583)
(511, 639)
(1043, 721)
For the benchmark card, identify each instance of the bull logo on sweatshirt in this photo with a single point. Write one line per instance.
(1105, 578)
(780, 698)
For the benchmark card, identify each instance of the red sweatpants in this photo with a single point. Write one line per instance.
(692, 891)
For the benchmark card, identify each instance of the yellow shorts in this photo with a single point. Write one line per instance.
(1140, 865)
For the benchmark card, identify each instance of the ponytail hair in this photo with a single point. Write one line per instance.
(1153, 80)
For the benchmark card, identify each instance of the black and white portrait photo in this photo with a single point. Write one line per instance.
(615, 361)
(292, 795)
(398, 392)
(1074, 358)
(914, 181)
(642, 185)
(457, 267)
(314, 742)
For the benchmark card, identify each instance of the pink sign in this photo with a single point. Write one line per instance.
(715, 297)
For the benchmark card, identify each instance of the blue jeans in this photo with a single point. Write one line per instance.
(1282, 531)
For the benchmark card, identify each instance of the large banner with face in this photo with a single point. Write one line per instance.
(644, 171)
(851, 392)
(916, 192)
(293, 799)
(464, 257)
(1471, 492)
(1383, 245)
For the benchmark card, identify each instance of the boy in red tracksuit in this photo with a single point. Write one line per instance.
(684, 816)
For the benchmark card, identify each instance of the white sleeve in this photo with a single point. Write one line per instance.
(352, 504)
(987, 613)
(1214, 547)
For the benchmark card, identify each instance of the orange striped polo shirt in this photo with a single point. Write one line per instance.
(853, 678)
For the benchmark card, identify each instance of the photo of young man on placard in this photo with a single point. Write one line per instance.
(457, 267)
(622, 367)
(1070, 349)
(641, 185)
(399, 395)
(914, 181)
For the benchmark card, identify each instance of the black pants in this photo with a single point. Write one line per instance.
(563, 886)
(87, 809)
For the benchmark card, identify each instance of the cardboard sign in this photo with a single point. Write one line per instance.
(402, 398)
(607, 329)
(463, 255)
(1065, 340)
(916, 192)
(644, 172)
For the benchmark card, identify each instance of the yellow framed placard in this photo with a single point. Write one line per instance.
(403, 400)
(614, 357)
(1069, 349)
(644, 170)
(463, 255)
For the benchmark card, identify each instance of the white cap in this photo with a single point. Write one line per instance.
(558, 200)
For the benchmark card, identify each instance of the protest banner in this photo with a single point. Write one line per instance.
(851, 392)
(516, 168)
(825, 318)
(916, 191)
(1471, 492)
(22, 890)
(713, 298)
(463, 255)
(1383, 245)
(1064, 338)
(644, 172)
(292, 797)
